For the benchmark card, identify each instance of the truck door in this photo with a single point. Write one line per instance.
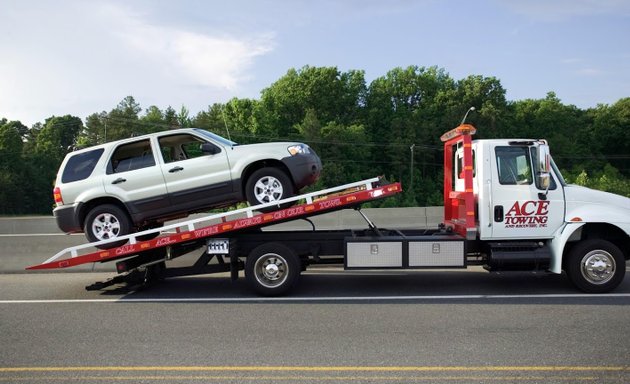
(521, 208)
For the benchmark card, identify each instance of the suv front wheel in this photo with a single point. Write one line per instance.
(106, 222)
(268, 185)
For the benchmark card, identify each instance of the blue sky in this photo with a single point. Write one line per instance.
(80, 57)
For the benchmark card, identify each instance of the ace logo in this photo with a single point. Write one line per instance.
(530, 214)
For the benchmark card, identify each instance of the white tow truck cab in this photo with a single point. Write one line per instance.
(527, 217)
(506, 207)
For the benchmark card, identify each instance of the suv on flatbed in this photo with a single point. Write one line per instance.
(116, 188)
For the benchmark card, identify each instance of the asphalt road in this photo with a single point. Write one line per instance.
(380, 327)
(335, 327)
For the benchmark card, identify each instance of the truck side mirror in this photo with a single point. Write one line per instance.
(543, 166)
(209, 149)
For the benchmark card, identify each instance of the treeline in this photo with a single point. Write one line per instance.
(389, 127)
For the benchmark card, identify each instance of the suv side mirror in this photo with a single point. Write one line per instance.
(543, 165)
(209, 149)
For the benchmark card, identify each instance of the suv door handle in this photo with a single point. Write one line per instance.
(176, 169)
(119, 180)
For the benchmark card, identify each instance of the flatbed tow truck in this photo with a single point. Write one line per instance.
(506, 207)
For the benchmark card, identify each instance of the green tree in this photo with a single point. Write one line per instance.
(58, 137)
(564, 126)
(183, 117)
(609, 179)
(610, 134)
(10, 145)
(213, 119)
(12, 183)
(238, 115)
(310, 129)
(333, 95)
(94, 132)
(406, 107)
(343, 149)
(153, 119)
(123, 121)
(170, 118)
(487, 95)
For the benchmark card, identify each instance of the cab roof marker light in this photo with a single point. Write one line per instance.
(464, 129)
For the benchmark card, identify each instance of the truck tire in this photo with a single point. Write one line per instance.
(272, 269)
(106, 222)
(268, 185)
(596, 266)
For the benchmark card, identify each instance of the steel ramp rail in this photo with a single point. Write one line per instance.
(326, 200)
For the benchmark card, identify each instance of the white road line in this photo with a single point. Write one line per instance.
(317, 299)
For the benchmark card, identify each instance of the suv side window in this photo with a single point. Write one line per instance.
(132, 156)
(513, 165)
(180, 147)
(80, 166)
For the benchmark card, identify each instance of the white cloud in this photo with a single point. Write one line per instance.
(83, 57)
(207, 60)
(589, 72)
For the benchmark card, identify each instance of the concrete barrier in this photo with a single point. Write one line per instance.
(28, 241)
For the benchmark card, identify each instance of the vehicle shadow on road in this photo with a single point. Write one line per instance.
(400, 287)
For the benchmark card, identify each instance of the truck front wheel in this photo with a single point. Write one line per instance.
(272, 269)
(596, 266)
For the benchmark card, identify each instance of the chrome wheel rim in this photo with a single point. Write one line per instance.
(271, 270)
(105, 226)
(268, 189)
(598, 267)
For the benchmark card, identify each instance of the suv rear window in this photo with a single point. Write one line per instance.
(80, 166)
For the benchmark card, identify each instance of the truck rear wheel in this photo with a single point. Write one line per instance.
(272, 269)
(596, 266)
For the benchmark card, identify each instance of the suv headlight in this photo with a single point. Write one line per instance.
(299, 149)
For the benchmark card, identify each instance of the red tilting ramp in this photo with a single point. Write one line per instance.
(320, 202)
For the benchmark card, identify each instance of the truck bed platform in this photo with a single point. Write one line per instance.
(192, 232)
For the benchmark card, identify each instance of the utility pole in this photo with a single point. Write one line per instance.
(411, 186)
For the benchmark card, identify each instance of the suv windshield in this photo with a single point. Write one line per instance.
(215, 137)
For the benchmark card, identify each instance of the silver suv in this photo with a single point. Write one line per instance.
(116, 188)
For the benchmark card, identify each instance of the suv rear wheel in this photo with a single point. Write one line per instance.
(267, 185)
(106, 222)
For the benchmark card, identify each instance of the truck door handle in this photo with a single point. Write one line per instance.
(119, 180)
(176, 169)
(498, 213)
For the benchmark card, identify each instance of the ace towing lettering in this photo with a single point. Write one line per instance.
(530, 214)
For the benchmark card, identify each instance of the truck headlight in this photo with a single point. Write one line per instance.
(299, 149)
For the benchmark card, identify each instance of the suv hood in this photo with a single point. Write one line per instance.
(281, 148)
